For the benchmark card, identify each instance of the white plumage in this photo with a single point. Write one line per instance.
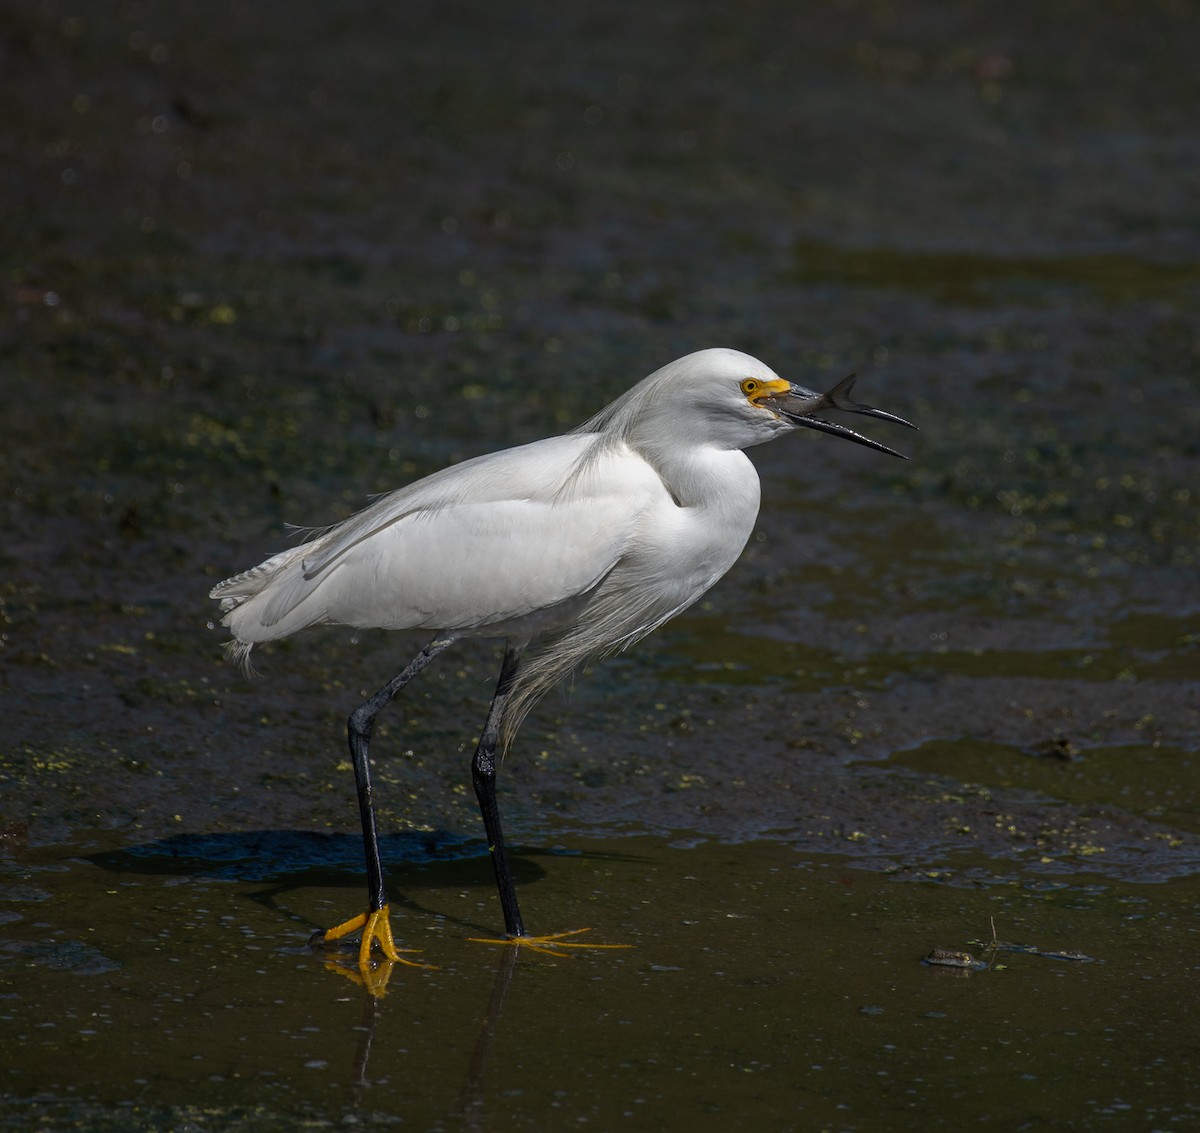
(578, 544)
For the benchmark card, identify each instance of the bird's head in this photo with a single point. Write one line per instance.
(728, 399)
(745, 402)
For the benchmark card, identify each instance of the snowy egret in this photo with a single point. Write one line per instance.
(568, 548)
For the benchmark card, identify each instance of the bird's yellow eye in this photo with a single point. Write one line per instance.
(759, 391)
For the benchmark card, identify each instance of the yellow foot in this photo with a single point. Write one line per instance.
(376, 929)
(553, 945)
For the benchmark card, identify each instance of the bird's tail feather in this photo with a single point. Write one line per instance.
(266, 602)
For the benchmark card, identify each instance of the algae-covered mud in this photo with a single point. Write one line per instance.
(261, 262)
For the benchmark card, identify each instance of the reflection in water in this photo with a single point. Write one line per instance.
(472, 1101)
(362, 1053)
(373, 976)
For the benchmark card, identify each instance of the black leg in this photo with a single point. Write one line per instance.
(358, 729)
(483, 775)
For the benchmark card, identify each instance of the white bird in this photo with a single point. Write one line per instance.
(568, 548)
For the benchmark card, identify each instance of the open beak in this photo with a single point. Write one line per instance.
(798, 405)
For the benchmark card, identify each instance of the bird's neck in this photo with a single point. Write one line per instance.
(710, 478)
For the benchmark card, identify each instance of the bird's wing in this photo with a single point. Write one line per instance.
(487, 541)
(533, 471)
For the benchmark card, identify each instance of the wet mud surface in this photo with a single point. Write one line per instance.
(262, 263)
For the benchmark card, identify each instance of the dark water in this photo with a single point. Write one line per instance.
(765, 987)
(262, 262)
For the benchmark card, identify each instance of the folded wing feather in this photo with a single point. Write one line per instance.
(484, 542)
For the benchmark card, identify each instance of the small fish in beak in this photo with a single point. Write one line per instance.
(799, 404)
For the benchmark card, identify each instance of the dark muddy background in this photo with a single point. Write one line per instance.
(262, 260)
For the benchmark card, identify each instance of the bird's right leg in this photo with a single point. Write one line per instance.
(483, 775)
(374, 923)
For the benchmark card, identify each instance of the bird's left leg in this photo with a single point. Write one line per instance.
(374, 923)
(483, 775)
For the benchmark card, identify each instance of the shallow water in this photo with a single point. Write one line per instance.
(761, 981)
(264, 261)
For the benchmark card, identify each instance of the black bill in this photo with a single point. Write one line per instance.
(799, 404)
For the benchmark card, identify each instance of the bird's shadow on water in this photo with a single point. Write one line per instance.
(291, 860)
(294, 857)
